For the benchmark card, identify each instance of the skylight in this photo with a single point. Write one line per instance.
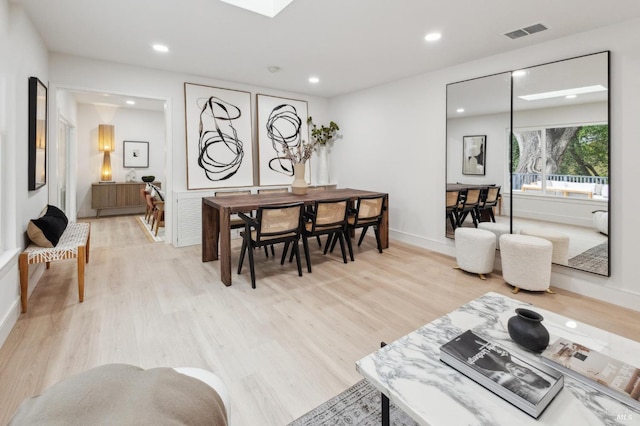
(268, 8)
(565, 92)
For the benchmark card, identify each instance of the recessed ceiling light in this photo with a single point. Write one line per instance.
(571, 96)
(564, 92)
(273, 68)
(130, 102)
(433, 36)
(519, 73)
(160, 48)
(314, 80)
(460, 110)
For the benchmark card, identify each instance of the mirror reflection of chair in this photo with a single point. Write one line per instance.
(329, 217)
(272, 225)
(488, 202)
(469, 205)
(453, 199)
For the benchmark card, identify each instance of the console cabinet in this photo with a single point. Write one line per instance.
(124, 195)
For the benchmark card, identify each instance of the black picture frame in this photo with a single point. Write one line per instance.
(474, 155)
(37, 134)
(135, 154)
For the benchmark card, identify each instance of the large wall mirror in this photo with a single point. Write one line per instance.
(541, 135)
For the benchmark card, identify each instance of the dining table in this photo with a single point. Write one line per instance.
(217, 211)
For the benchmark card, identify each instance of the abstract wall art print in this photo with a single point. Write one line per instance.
(474, 155)
(218, 134)
(281, 122)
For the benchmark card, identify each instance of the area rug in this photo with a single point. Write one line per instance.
(596, 259)
(151, 234)
(359, 405)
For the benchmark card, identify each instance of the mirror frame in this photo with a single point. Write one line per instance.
(511, 135)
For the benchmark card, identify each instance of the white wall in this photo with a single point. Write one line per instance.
(394, 140)
(129, 125)
(22, 55)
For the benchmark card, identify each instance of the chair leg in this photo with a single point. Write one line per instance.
(284, 253)
(349, 245)
(296, 249)
(305, 246)
(377, 232)
(344, 253)
(364, 231)
(252, 267)
(266, 251)
(242, 253)
(331, 243)
(319, 242)
(273, 251)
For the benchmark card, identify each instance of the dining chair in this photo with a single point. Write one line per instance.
(272, 190)
(272, 225)
(367, 213)
(453, 199)
(329, 217)
(234, 220)
(469, 205)
(489, 201)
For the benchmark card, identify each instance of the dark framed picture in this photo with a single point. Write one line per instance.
(37, 134)
(135, 154)
(474, 152)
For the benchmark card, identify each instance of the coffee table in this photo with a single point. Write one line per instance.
(410, 374)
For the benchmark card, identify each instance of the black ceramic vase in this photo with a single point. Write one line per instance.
(526, 329)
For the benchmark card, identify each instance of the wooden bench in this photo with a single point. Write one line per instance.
(73, 244)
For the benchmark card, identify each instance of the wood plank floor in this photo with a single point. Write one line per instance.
(282, 349)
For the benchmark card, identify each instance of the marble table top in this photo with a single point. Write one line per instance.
(410, 373)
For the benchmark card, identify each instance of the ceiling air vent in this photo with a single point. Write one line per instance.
(526, 31)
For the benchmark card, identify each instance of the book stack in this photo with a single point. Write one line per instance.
(612, 377)
(517, 381)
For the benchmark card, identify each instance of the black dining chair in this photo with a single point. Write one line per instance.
(469, 205)
(453, 200)
(272, 225)
(328, 217)
(488, 202)
(367, 213)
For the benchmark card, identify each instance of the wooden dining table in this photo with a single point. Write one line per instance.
(216, 213)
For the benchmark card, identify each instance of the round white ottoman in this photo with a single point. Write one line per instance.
(526, 262)
(601, 221)
(559, 241)
(497, 228)
(475, 250)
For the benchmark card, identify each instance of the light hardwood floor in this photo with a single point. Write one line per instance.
(282, 349)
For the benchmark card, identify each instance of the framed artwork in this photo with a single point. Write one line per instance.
(135, 154)
(218, 134)
(281, 122)
(37, 134)
(474, 154)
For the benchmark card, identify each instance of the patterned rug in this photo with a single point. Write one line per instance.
(596, 259)
(359, 405)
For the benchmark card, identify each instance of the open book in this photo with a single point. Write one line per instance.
(522, 384)
(615, 378)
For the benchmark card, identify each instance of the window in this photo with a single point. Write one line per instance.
(570, 161)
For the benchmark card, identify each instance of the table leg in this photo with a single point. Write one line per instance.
(210, 232)
(225, 247)
(384, 225)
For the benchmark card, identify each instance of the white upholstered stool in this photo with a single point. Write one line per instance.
(526, 262)
(497, 228)
(559, 241)
(475, 250)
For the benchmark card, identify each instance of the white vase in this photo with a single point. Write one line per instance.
(323, 166)
(299, 185)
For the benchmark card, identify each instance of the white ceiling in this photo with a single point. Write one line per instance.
(348, 44)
